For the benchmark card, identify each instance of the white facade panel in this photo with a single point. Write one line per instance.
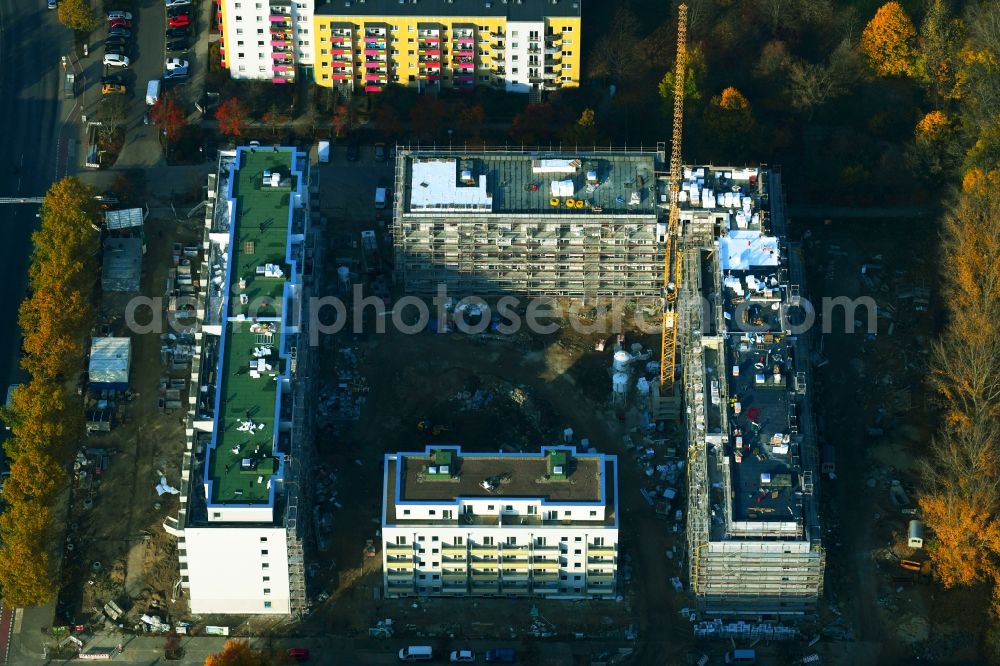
(237, 570)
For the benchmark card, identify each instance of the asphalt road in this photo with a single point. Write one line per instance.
(31, 43)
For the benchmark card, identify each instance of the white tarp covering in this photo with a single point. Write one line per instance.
(555, 166)
(434, 187)
(124, 219)
(109, 361)
(562, 188)
(743, 249)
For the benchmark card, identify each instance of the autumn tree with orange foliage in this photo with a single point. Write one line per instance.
(961, 497)
(239, 653)
(45, 419)
(888, 39)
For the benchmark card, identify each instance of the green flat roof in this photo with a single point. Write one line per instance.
(261, 228)
(260, 236)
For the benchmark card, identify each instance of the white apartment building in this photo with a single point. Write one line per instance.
(239, 540)
(500, 524)
(266, 39)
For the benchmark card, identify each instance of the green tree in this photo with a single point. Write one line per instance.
(938, 47)
(77, 15)
(695, 71)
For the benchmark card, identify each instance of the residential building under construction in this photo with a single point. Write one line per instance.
(239, 527)
(563, 223)
(500, 524)
(753, 525)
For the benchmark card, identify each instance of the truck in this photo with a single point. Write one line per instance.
(152, 92)
(69, 85)
(369, 253)
(323, 152)
(380, 195)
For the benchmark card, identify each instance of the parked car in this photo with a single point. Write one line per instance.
(119, 23)
(353, 151)
(173, 33)
(116, 60)
(178, 46)
(52, 4)
(299, 654)
(462, 656)
(120, 32)
(501, 656)
(113, 89)
(380, 152)
(146, 120)
(176, 63)
(179, 73)
(114, 16)
(178, 3)
(179, 21)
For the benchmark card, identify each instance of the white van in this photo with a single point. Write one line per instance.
(152, 92)
(741, 657)
(416, 653)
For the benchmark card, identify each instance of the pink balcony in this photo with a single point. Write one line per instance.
(465, 65)
(279, 42)
(378, 78)
(374, 64)
(430, 52)
(464, 54)
(278, 18)
(278, 55)
(375, 40)
(374, 52)
(373, 88)
(339, 51)
(281, 79)
(340, 77)
(465, 40)
(430, 40)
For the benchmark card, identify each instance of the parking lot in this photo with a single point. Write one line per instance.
(146, 50)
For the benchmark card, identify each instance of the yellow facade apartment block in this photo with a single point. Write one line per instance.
(517, 45)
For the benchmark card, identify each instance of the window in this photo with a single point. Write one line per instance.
(513, 45)
(458, 541)
(265, 565)
(239, 18)
(576, 566)
(568, 28)
(243, 68)
(567, 514)
(513, 33)
(563, 576)
(567, 42)
(409, 28)
(401, 541)
(513, 70)
(260, 42)
(184, 565)
(532, 509)
(433, 512)
(185, 579)
(434, 538)
(239, 31)
(326, 76)
(593, 513)
(267, 590)
(266, 578)
(263, 539)
(241, 55)
(267, 604)
(216, 514)
(514, 57)
(567, 53)
(510, 507)
(565, 539)
(434, 551)
(263, 552)
(576, 577)
(239, 5)
(511, 541)
(577, 551)
(566, 65)
(598, 541)
(579, 539)
(539, 541)
(322, 51)
(487, 541)
(260, 31)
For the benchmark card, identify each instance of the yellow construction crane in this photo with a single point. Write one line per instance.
(672, 257)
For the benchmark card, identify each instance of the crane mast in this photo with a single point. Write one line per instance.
(672, 256)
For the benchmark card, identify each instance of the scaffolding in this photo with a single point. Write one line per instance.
(502, 222)
(754, 563)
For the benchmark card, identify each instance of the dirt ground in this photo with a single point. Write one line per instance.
(483, 392)
(116, 547)
(874, 409)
